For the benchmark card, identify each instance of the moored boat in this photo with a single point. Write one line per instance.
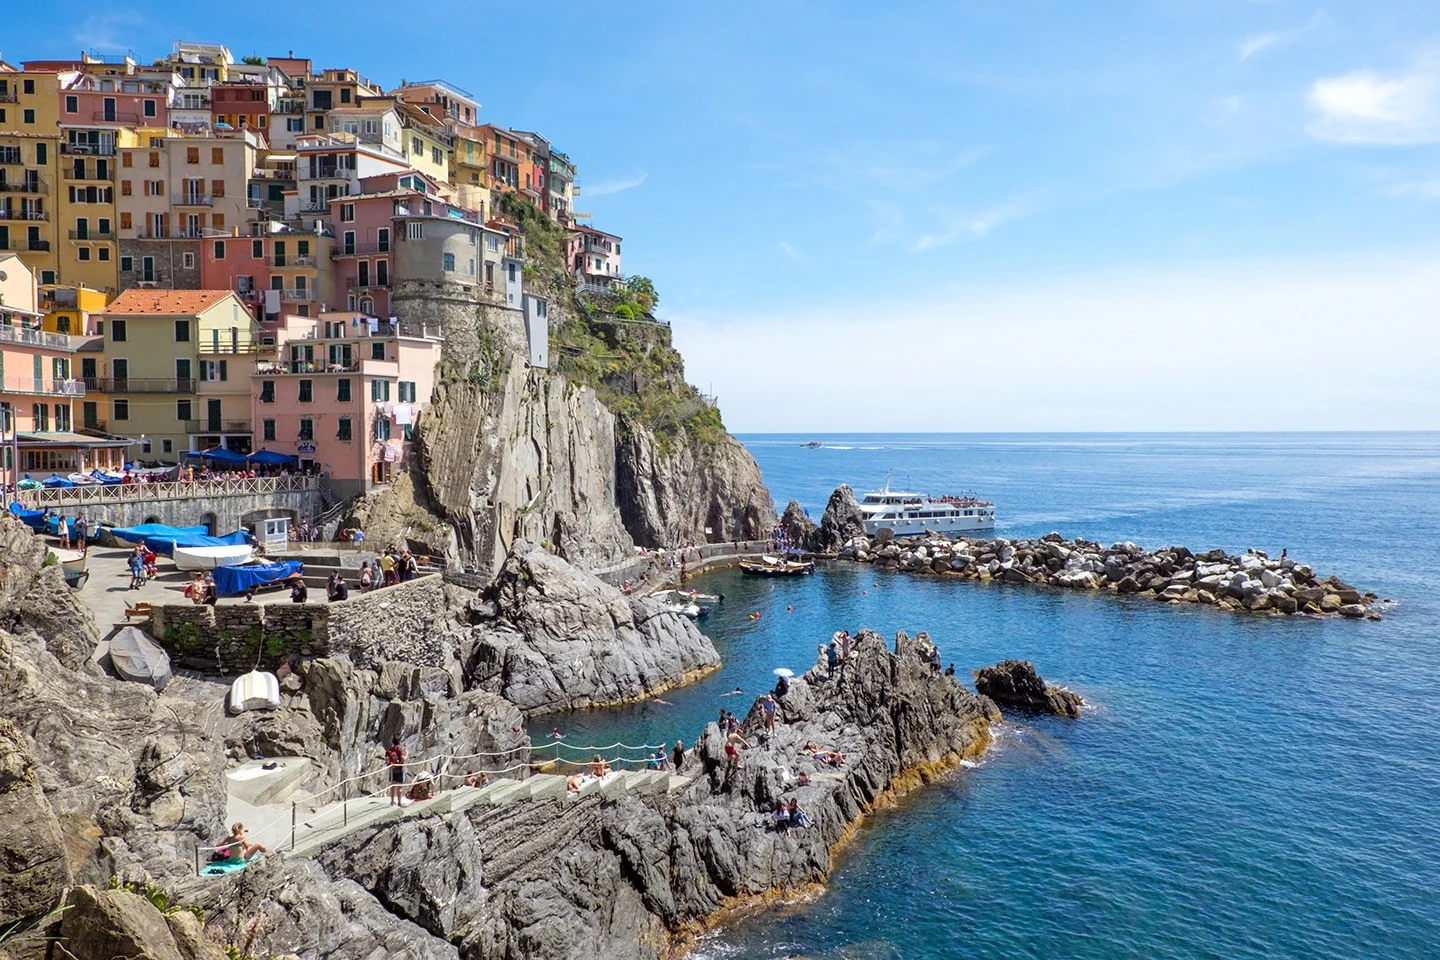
(776, 567)
(73, 565)
(208, 558)
(909, 514)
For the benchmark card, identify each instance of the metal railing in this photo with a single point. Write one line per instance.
(373, 283)
(140, 385)
(88, 149)
(115, 116)
(25, 186)
(360, 249)
(38, 386)
(38, 246)
(300, 295)
(167, 490)
(39, 338)
(218, 426)
(193, 200)
(285, 260)
(35, 215)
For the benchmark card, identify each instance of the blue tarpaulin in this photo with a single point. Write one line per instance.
(163, 540)
(56, 482)
(271, 458)
(219, 455)
(34, 519)
(108, 479)
(233, 581)
(52, 525)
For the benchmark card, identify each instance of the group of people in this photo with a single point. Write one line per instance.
(202, 589)
(837, 653)
(784, 816)
(77, 530)
(142, 564)
(336, 588)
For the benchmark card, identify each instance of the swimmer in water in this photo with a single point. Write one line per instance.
(733, 693)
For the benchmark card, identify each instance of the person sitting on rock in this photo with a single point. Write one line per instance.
(576, 781)
(780, 817)
(235, 848)
(599, 767)
(481, 780)
(796, 816)
(423, 788)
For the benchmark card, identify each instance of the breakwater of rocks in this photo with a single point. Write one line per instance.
(1251, 582)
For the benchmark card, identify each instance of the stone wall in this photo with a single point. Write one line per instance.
(395, 623)
(230, 512)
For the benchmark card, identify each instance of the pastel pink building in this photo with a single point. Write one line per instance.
(343, 391)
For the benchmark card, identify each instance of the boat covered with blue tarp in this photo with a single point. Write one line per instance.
(233, 581)
(34, 519)
(163, 539)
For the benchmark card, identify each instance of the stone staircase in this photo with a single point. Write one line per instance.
(336, 820)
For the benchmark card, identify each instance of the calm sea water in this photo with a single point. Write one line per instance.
(1241, 787)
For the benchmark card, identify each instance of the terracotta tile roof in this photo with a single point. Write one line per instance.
(180, 303)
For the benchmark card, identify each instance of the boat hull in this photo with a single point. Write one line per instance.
(777, 570)
(208, 558)
(256, 690)
(929, 525)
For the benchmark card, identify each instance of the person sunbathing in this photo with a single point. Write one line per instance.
(575, 782)
(599, 767)
(423, 788)
(236, 849)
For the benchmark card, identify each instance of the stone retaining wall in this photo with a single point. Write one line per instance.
(394, 623)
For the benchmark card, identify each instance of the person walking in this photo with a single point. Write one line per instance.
(137, 568)
(677, 756)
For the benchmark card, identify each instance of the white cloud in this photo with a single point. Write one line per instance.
(1251, 46)
(787, 248)
(615, 185)
(965, 228)
(1368, 107)
(1326, 343)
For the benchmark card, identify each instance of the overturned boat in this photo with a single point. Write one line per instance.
(256, 690)
(208, 558)
(134, 655)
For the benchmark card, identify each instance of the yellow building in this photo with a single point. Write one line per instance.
(168, 356)
(427, 146)
(29, 167)
(469, 170)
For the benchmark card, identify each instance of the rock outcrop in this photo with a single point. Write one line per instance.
(33, 596)
(547, 636)
(1250, 582)
(1014, 683)
(799, 529)
(842, 520)
(688, 490)
(630, 877)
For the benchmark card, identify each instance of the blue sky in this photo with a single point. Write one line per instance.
(1156, 214)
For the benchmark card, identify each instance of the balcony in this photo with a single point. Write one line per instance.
(68, 172)
(170, 233)
(38, 246)
(289, 262)
(25, 186)
(217, 426)
(355, 283)
(10, 157)
(39, 338)
(139, 385)
(115, 116)
(9, 96)
(97, 235)
(35, 386)
(360, 250)
(297, 296)
(193, 200)
(36, 215)
(88, 149)
(308, 367)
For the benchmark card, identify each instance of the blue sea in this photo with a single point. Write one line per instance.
(1240, 787)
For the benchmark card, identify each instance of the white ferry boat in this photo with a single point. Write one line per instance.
(912, 514)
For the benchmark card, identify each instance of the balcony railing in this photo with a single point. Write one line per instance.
(300, 296)
(9, 96)
(273, 367)
(38, 246)
(38, 386)
(88, 149)
(68, 172)
(360, 249)
(25, 186)
(140, 385)
(39, 338)
(36, 215)
(115, 116)
(92, 235)
(218, 426)
(170, 233)
(319, 205)
(193, 200)
(285, 260)
(372, 283)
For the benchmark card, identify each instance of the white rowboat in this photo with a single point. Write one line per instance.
(256, 690)
(208, 558)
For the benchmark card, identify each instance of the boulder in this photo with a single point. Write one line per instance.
(1014, 683)
(104, 924)
(1353, 610)
(841, 521)
(34, 872)
(798, 526)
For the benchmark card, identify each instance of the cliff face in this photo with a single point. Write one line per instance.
(689, 490)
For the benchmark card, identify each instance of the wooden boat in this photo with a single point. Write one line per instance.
(775, 567)
(208, 558)
(73, 565)
(256, 690)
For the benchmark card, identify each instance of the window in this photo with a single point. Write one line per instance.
(83, 253)
(182, 371)
(382, 272)
(307, 428)
(217, 220)
(166, 446)
(104, 254)
(28, 116)
(416, 146)
(127, 264)
(192, 154)
(212, 371)
(267, 391)
(347, 212)
(257, 249)
(117, 331)
(436, 155)
(120, 409)
(29, 86)
(472, 266)
(406, 391)
(154, 158)
(217, 155)
(125, 188)
(182, 409)
(72, 104)
(344, 94)
(182, 335)
(380, 391)
(219, 249)
(382, 428)
(187, 261)
(267, 429)
(149, 108)
(449, 262)
(294, 124)
(306, 391)
(377, 350)
(342, 389)
(342, 431)
(382, 240)
(127, 160)
(217, 188)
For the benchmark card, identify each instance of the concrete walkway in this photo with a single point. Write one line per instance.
(270, 824)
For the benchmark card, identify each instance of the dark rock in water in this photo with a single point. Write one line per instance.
(1014, 683)
(798, 527)
(842, 520)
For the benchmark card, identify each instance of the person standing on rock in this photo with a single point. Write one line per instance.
(396, 758)
(832, 657)
(677, 756)
(770, 707)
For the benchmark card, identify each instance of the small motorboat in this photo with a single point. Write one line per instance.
(256, 690)
(812, 445)
(687, 596)
(692, 610)
(135, 656)
(72, 564)
(776, 567)
(208, 558)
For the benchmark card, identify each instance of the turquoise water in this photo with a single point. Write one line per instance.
(1241, 787)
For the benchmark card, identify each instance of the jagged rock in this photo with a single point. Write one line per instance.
(1014, 683)
(564, 639)
(34, 872)
(841, 521)
(34, 597)
(798, 526)
(104, 924)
